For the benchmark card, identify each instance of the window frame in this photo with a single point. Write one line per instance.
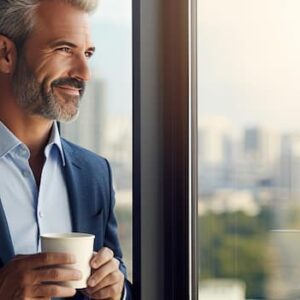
(164, 150)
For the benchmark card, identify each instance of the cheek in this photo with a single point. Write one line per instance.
(50, 70)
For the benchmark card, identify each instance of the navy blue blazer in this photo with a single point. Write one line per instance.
(91, 196)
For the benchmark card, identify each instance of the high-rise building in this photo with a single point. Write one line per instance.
(258, 158)
(261, 146)
(290, 167)
(118, 149)
(214, 153)
(214, 134)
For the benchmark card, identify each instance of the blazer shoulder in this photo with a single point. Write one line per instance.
(84, 155)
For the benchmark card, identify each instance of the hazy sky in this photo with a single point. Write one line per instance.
(248, 53)
(117, 11)
(249, 61)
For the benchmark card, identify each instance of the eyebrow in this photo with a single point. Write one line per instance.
(67, 43)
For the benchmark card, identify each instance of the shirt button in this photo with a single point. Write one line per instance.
(41, 214)
(23, 152)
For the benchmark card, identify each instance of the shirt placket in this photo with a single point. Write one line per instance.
(42, 196)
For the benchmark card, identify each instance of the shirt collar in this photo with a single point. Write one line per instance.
(54, 139)
(8, 141)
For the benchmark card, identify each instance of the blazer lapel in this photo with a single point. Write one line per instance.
(6, 245)
(84, 195)
(77, 189)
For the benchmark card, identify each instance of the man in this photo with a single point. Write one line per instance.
(46, 183)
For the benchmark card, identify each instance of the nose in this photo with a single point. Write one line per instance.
(80, 69)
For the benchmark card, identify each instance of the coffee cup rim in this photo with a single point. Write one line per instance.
(67, 235)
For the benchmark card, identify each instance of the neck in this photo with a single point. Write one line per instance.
(32, 130)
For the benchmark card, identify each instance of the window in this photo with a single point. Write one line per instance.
(248, 62)
(162, 229)
(105, 122)
(161, 170)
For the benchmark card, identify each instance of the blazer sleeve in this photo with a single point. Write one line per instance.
(111, 236)
(111, 240)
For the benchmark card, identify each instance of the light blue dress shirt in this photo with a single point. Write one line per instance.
(32, 211)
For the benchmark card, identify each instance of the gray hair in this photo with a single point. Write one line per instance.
(17, 16)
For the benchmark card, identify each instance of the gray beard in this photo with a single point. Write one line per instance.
(34, 98)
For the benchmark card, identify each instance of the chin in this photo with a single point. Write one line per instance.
(69, 118)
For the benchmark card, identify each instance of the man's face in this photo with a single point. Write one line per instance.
(52, 69)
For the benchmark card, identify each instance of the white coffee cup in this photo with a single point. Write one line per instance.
(79, 244)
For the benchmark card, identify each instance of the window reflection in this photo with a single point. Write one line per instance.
(249, 149)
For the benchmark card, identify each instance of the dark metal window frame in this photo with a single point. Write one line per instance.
(164, 151)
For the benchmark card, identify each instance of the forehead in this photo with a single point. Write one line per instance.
(56, 20)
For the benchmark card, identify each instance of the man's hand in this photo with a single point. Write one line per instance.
(36, 276)
(106, 281)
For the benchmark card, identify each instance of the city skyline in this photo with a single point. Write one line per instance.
(248, 54)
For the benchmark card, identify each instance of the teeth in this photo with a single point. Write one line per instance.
(70, 88)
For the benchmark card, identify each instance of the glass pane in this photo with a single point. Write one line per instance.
(104, 124)
(249, 149)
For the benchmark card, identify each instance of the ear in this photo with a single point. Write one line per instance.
(8, 55)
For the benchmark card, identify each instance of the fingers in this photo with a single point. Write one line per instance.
(50, 258)
(34, 276)
(102, 257)
(111, 292)
(49, 291)
(110, 267)
(106, 281)
(54, 275)
(111, 279)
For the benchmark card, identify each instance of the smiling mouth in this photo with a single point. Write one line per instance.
(69, 90)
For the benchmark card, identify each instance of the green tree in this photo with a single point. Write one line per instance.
(234, 245)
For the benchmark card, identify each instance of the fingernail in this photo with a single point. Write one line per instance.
(95, 264)
(92, 282)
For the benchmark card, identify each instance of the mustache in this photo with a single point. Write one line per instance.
(71, 82)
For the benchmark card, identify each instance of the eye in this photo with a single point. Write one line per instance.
(88, 54)
(65, 49)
